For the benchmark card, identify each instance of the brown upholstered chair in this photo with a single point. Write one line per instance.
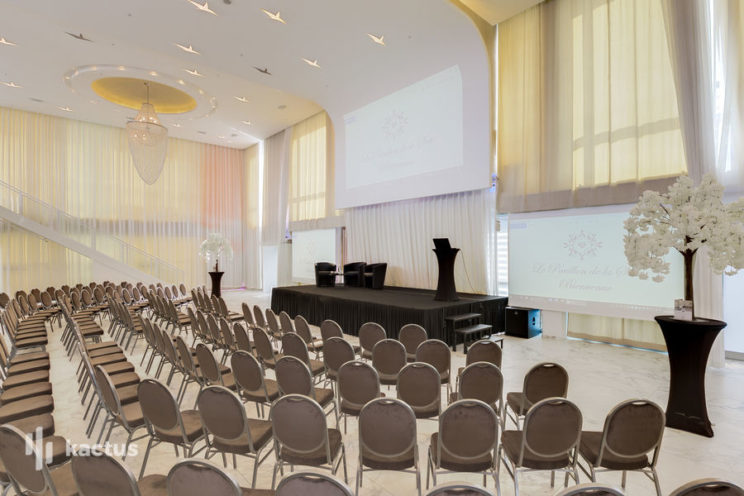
(419, 386)
(370, 333)
(293, 377)
(27, 470)
(388, 357)
(166, 423)
(331, 329)
(590, 489)
(258, 318)
(211, 372)
(437, 353)
(387, 438)
(311, 484)
(632, 430)
(264, 348)
(199, 478)
(412, 335)
(102, 474)
(228, 429)
(301, 436)
(549, 440)
(242, 338)
(482, 381)
(302, 328)
(466, 441)
(708, 487)
(248, 316)
(285, 321)
(273, 327)
(544, 380)
(336, 353)
(483, 350)
(358, 383)
(293, 345)
(459, 489)
(252, 383)
(128, 416)
(189, 369)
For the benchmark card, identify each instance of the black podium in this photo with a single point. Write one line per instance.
(446, 257)
(216, 283)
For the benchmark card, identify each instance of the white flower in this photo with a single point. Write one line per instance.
(216, 246)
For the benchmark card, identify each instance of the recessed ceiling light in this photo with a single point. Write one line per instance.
(221, 137)
(380, 40)
(203, 7)
(153, 73)
(313, 63)
(242, 99)
(11, 84)
(187, 49)
(195, 72)
(176, 124)
(181, 82)
(274, 17)
(64, 109)
(247, 123)
(3, 41)
(122, 68)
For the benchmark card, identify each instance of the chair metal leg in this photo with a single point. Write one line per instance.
(144, 461)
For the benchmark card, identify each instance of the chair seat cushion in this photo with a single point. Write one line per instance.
(317, 367)
(192, 425)
(272, 389)
(128, 394)
(28, 407)
(125, 379)
(153, 485)
(118, 368)
(589, 449)
(64, 481)
(399, 462)
(323, 396)
(23, 379)
(512, 444)
(132, 412)
(514, 400)
(260, 431)
(450, 463)
(27, 391)
(29, 425)
(317, 457)
(29, 357)
(32, 366)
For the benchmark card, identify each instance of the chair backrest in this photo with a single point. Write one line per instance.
(108, 391)
(182, 288)
(545, 380)
(293, 345)
(263, 344)
(358, 383)
(247, 315)
(708, 487)
(467, 431)
(330, 329)
(223, 306)
(481, 381)
(208, 364)
(436, 353)
(633, 428)
(242, 339)
(170, 348)
(272, 322)
(227, 336)
(484, 350)
(197, 478)
(247, 371)
(459, 489)
(223, 415)
(184, 356)
(286, 322)
(214, 328)
(591, 489)
(22, 461)
(259, 317)
(419, 385)
(159, 407)
(336, 352)
(412, 335)
(302, 328)
(293, 376)
(552, 428)
(388, 356)
(369, 335)
(311, 484)
(387, 429)
(100, 473)
(306, 436)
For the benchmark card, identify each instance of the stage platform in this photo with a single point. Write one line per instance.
(391, 307)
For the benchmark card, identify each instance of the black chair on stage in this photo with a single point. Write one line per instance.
(354, 274)
(325, 274)
(374, 275)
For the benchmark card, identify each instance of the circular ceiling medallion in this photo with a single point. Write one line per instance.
(125, 87)
(132, 93)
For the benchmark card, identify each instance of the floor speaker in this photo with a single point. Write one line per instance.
(523, 322)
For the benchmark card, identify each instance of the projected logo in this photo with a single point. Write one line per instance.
(582, 245)
(395, 125)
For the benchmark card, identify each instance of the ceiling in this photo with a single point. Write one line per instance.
(495, 11)
(234, 40)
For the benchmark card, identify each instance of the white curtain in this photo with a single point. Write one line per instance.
(587, 107)
(276, 187)
(85, 170)
(401, 234)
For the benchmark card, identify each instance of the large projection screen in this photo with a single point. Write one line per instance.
(574, 261)
(309, 247)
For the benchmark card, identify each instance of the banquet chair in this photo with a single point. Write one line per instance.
(708, 487)
(311, 484)
(101, 473)
(213, 373)
(331, 329)
(437, 353)
(264, 349)
(388, 358)
(285, 322)
(336, 352)
(294, 377)
(412, 335)
(302, 328)
(482, 381)
(632, 430)
(549, 440)
(358, 383)
(387, 439)
(459, 489)
(294, 345)
(590, 489)
(242, 338)
(419, 386)
(302, 437)
(370, 333)
(248, 316)
(544, 380)
(199, 478)
(252, 383)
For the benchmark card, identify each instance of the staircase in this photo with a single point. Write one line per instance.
(47, 221)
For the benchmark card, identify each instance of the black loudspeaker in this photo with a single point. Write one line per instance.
(523, 322)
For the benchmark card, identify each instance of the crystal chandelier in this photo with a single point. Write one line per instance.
(148, 142)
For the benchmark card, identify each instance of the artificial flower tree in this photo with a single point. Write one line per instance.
(685, 218)
(214, 247)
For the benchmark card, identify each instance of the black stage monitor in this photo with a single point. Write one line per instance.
(442, 244)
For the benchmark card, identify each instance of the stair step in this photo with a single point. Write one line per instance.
(464, 316)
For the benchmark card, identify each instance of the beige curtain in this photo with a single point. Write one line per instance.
(587, 106)
(308, 169)
(85, 170)
(275, 187)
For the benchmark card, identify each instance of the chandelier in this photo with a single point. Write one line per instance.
(148, 142)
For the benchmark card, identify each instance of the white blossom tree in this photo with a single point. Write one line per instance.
(686, 218)
(214, 247)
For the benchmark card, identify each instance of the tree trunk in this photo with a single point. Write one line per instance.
(689, 257)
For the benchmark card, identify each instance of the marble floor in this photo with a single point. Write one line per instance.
(600, 377)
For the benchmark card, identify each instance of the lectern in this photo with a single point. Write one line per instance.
(446, 257)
